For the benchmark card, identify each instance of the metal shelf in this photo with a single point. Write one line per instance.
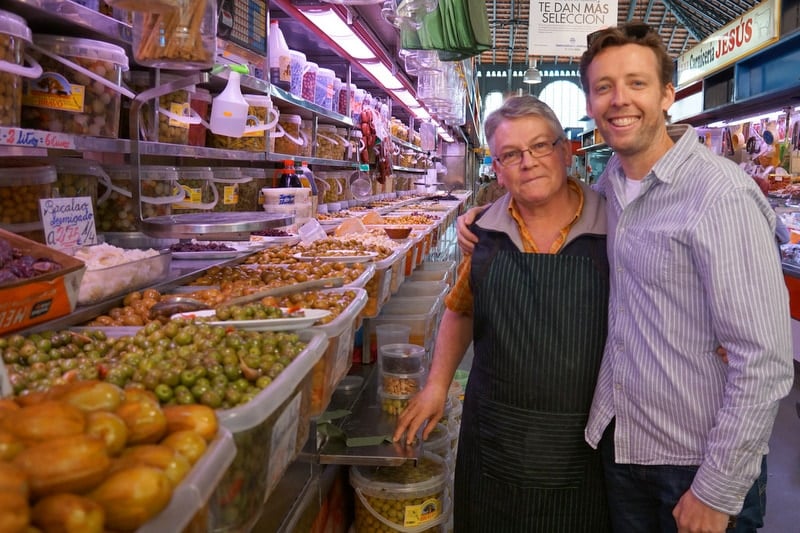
(307, 109)
(64, 17)
(409, 145)
(411, 170)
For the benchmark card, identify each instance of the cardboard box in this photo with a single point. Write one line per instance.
(35, 300)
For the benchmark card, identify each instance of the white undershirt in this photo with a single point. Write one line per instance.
(632, 190)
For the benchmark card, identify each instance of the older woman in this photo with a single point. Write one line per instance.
(532, 298)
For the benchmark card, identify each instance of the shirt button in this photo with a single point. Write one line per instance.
(619, 269)
(617, 386)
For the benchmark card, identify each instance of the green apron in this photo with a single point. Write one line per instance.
(539, 330)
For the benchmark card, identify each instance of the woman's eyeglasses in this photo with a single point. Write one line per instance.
(631, 30)
(514, 157)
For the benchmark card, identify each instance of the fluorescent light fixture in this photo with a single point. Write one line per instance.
(406, 97)
(421, 113)
(332, 25)
(383, 75)
(774, 115)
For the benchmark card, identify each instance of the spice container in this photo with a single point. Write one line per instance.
(200, 194)
(344, 97)
(201, 104)
(175, 34)
(309, 85)
(15, 36)
(20, 191)
(323, 93)
(158, 190)
(291, 141)
(228, 181)
(402, 384)
(298, 60)
(65, 100)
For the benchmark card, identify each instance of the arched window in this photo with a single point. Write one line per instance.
(567, 100)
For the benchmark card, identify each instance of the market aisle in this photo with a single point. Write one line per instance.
(783, 482)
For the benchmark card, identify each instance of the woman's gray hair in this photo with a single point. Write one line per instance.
(520, 107)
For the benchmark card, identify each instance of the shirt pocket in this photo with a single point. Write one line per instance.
(647, 255)
(532, 449)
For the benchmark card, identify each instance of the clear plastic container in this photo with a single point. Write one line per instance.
(200, 194)
(260, 113)
(291, 141)
(323, 93)
(309, 86)
(77, 177)
(178, 36)
(250, 198)
(65, 100)
(15, 37)
(174, 109)
(228, 181)
(402, 384)
(201, 105)
(402, 358)
(329, 143)
(20, 191)
(406, 498)
(298, 68)
(159, 189)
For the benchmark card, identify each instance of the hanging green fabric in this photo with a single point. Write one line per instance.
(456, 29)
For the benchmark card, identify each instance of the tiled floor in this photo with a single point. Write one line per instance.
(783, 484)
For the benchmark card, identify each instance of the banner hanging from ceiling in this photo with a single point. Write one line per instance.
(559, 27)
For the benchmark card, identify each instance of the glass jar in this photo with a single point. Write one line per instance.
(176, 34)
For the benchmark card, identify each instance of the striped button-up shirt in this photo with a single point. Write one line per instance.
(693, 267)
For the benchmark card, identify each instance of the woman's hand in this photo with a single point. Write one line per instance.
(467, 239)
(427, 405)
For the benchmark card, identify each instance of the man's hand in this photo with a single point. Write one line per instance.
(693, 516)
(467, 239)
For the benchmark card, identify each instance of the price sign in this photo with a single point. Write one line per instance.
(35, 138)
(68, 222)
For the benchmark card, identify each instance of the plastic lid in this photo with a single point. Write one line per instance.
(312, 66)
(149, 172)
(257, 100)
(388, 481)
(34, 175)
(326, 72)
(77, 166)
(196, 172)
(12, 24)
(227, 172)
(291, 118)
(329, 128)
(85, 48)
(297, 53)
(201, 94)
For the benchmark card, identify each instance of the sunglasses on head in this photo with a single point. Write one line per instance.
(631, 30)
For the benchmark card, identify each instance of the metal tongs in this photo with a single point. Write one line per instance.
(170, 305)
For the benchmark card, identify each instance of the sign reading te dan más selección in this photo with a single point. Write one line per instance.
(743, 36)
(560, 27)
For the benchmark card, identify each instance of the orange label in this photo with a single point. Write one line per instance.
(32, 303)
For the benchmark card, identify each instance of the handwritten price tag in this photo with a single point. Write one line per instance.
(68, 222)
(35, 138)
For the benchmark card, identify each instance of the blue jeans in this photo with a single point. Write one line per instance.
(641, 497)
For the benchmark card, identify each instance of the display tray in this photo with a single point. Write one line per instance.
(279, 239)
(270, 324)
(337, 256)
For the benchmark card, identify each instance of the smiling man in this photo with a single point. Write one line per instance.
(693, 266)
